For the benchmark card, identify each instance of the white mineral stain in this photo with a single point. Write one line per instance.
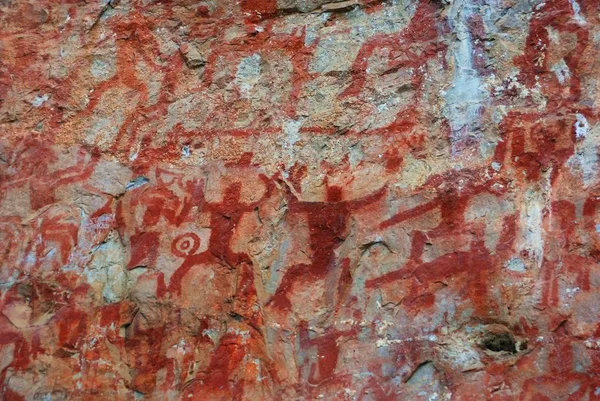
(291, 129)
(562, 72)
(531, 223)
(185, 152)
(577, 12)
(581, 126)
(39, 100)
(136, 183)
(103, 69)
(584, 161)
(465, 97)
(516, 265)
(248, 73)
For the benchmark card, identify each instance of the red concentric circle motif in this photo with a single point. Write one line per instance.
(185, 245)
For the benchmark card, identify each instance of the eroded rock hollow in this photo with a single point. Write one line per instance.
(363, 200)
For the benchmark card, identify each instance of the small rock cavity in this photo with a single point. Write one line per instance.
(498, 342)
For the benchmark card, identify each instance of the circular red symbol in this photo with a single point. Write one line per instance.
(185, 245)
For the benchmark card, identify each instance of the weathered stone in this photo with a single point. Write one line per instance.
(195, 54)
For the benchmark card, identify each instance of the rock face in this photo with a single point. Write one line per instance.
(361, 200)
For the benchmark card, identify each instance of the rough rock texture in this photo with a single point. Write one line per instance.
(299, 200)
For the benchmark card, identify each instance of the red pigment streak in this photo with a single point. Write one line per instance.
(145, 349)
(550, 287)
(144, 249)
(327, 228)
(508, 233)
(478, 35)
(224, 360)
(422, 28)
(246, 299)
(72, 328)
(259, 7)
(296, 174)
(409, 214)
(393, 160)
(10, 395)
(532, 63)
